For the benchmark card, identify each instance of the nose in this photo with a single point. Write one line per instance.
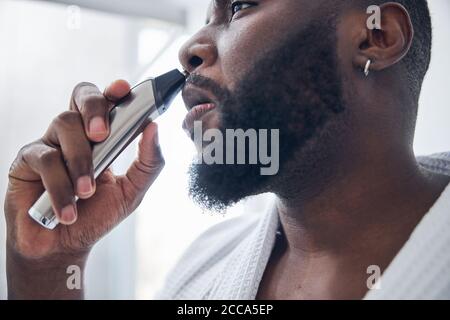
(197, 53)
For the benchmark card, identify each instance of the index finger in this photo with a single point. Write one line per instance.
(95, 106)
(117, 90)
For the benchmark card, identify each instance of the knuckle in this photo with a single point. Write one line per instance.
(77, 89)
(153, 166)
(68, 119)
(20, 157)
(79, 164)
(50, 157)
(24, 151)
(94, 102)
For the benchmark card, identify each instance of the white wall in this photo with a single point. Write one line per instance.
(35, 86)
(433, 127)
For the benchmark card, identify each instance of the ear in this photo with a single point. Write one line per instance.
(388, 45)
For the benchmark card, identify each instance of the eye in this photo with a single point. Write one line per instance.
(240, 5)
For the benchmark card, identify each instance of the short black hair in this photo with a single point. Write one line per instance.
(418, 58)
(417, 61)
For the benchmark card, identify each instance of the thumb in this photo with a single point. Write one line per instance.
(145, 169)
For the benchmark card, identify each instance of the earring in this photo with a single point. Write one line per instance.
(367, 68)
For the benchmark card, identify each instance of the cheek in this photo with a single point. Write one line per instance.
(238, 53)
(249, 39)
(242, 44)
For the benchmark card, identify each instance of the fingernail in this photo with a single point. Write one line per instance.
(97, 126)
(84, 187)
(68, 215)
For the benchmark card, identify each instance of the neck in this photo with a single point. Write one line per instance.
(369, 204)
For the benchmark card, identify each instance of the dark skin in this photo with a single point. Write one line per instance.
(333, 229)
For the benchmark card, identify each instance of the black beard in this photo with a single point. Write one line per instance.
(295, 88)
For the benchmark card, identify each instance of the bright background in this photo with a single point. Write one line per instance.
(47, 48)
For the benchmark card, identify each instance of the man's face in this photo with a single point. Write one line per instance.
(268, 64)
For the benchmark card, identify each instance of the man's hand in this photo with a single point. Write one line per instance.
(61, 162)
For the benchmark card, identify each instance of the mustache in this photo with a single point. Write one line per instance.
(202, 82)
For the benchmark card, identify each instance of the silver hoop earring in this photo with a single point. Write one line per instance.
(367, 68)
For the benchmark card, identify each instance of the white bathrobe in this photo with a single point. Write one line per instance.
(228, 261)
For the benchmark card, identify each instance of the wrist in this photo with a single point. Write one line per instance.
(59, 276)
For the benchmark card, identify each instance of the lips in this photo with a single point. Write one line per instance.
(199, 103)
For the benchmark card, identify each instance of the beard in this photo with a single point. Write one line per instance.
(295, 88)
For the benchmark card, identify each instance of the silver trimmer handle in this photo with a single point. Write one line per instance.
(127, 120)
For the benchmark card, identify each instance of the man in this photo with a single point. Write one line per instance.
(350, 195)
